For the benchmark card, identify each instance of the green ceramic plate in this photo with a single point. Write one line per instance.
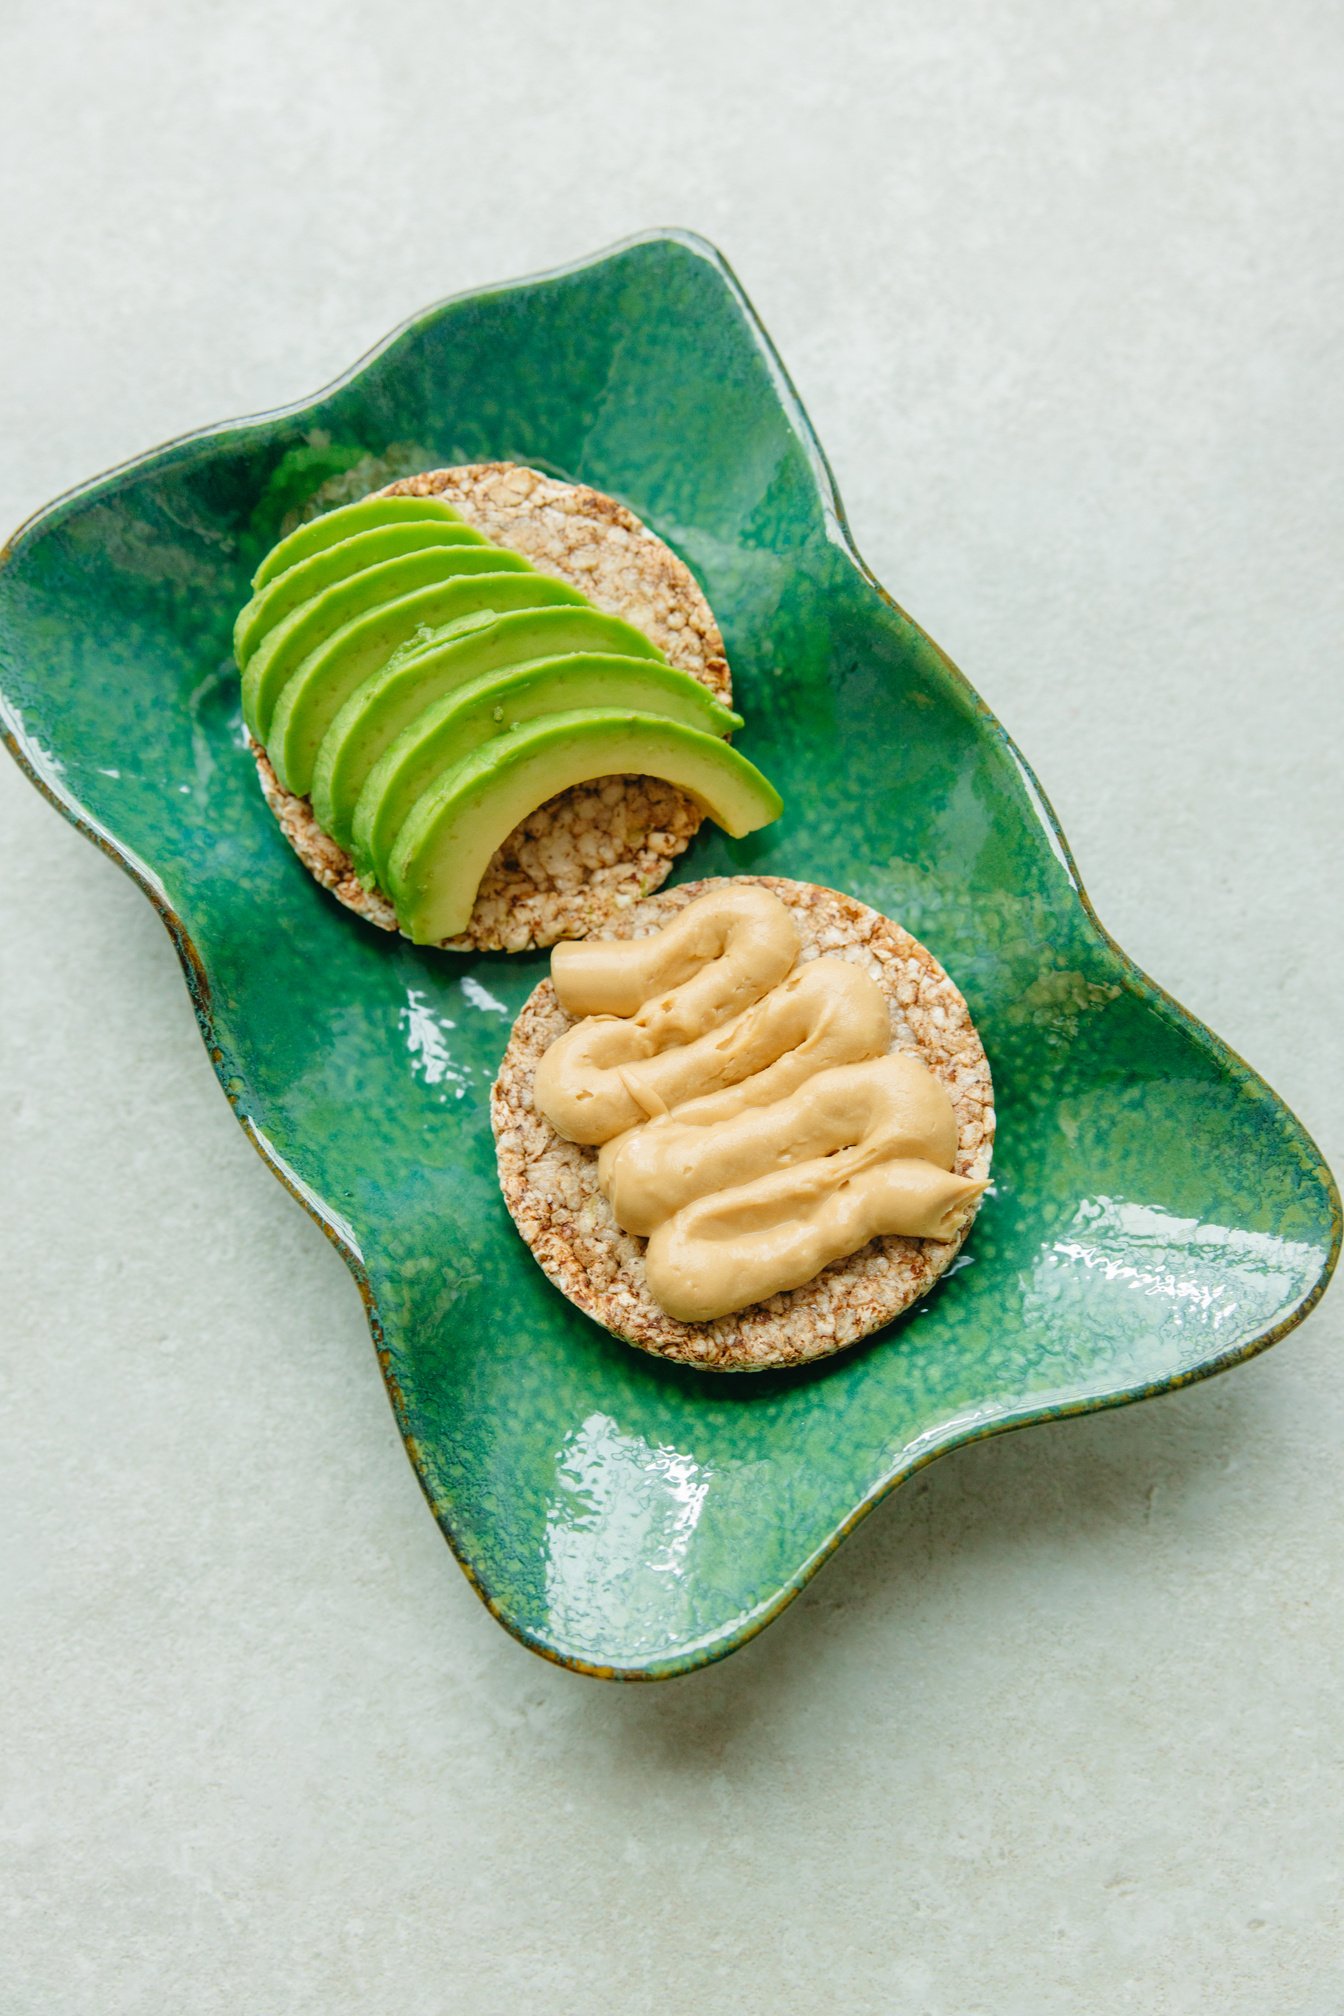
(1157, 1215)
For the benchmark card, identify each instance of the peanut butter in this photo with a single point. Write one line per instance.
(754, 1123)
(885, 1109)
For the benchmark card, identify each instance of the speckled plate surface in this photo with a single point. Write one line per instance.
(1157, 1214)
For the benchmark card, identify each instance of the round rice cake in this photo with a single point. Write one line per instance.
(551, 1190)
(571, 867)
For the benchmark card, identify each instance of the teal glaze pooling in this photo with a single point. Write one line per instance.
(1157, 1213)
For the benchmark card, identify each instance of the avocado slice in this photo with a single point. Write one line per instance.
(445, 845)
(324, 680)
(429, 636)
(389, 701)
(281, 649)
(335, 563)
(497, 702)
(363, 516)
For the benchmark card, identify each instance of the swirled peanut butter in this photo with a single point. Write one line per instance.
(605, 1075)
(886, 1109)
(771, 1235)
(720, 954)
(754, 1123)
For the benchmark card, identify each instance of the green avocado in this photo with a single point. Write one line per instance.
(416, 677)
(319, 533)
(446, 843)
(335, 563)
(281, 649)
(324, 680)
(445, 734)
(430, 636)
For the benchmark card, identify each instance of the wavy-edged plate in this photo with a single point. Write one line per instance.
(1157, 1213)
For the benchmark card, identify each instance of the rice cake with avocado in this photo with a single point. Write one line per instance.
(550, 1185)
(572, 866)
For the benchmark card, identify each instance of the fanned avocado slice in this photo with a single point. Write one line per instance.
(280, 651)
(391, 699)
(325, 679)
(335, 563)
(430, 636)
(498, 702)
(445, 845)
(363, 516)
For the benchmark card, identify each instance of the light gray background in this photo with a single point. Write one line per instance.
(1060, 1728)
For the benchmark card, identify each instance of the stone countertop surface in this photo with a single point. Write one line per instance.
(1060, 1729)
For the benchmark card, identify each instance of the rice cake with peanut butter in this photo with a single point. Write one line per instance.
(575, 864)
(551, 1187)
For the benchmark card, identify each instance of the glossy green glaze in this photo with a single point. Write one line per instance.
(1157, 1212)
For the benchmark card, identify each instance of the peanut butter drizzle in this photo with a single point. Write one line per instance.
(755, 1125)
(879, 1111)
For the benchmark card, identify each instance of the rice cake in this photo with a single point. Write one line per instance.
(550, 1185)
